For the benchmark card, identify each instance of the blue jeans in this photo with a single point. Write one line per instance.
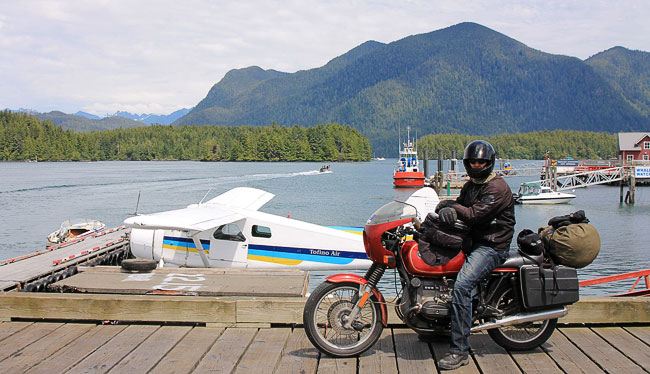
(477, 266)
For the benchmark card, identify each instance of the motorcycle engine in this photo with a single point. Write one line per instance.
(432, 298)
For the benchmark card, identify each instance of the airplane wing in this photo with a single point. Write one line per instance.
(242, 197)
(193, 218)
(223, 209)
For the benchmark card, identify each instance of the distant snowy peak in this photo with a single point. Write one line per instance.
(150, 119)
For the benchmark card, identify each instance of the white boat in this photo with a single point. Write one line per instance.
(230, 232)
(533, 193)
(75, 228)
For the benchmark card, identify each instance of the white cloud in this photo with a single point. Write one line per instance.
(159, 56)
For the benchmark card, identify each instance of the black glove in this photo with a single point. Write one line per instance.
(448, 215)
(445, 204)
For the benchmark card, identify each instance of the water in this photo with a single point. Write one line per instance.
(36, 197)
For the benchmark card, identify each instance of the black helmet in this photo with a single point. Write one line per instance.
(530, 243)
(479, 150)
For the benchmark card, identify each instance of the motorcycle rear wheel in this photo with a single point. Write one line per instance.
(524, 336)
(323, 320)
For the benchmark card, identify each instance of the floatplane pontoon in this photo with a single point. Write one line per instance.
(230, 231)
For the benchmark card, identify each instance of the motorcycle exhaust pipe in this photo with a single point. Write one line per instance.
(522, 318)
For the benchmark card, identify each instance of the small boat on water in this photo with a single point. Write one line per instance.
(533, 193)
(325, 169)
(74, 228)
(408, 173)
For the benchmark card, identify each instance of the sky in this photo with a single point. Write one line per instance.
(158, 56)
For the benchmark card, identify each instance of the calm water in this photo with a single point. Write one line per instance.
(36, 197)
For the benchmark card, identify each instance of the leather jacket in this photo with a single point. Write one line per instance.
(489, 210)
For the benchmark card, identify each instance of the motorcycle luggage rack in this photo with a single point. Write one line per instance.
(645, 274)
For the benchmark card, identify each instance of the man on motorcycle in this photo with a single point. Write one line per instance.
(485, 203)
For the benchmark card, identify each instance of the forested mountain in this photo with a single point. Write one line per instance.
(628, 72)
(84, 124)
(25, 137)
(464, 79)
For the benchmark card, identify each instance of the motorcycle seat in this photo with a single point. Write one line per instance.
(516, 260)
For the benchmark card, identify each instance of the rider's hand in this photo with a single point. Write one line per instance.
(445, 204)
(448, 215)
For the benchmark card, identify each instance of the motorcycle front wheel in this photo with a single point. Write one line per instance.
(524, 336)
(324, 314)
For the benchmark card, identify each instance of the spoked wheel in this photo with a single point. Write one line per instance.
(325, 315)
(524, 336)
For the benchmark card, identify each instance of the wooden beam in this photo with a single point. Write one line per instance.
(250, 311)
(116, 307)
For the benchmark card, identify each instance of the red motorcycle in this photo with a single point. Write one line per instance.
(518, 304)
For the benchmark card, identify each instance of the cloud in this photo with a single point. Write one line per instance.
(159, 56)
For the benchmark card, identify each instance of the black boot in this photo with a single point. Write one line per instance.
(453, 361)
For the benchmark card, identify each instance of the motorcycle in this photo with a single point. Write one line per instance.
(518, 304)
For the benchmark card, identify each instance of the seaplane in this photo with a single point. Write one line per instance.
(229, 231)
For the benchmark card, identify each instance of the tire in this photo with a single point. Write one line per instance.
(524, 336)
(322, 318)
(138, 264)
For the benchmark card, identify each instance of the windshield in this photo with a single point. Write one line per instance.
(393, 211)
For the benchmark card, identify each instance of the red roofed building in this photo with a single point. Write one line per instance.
(634, 146)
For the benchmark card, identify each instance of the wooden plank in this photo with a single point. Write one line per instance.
(490, 357)
(627, 344)
(77, 350)
(568, 356)
(16, 342)
(299, 354)
(117, 307)
(599, 351)
(43, 348)
(109, 354)
(608, 310)
(5, 285)
(192, 283)
(147, 354)
(380, 359)
(270, 310)
(226, 352)
(264, 353)
(413, 356)
(535, 361)
(187, 353)
(441, 348)
(331, 365)
(641, 332)
(10, 328)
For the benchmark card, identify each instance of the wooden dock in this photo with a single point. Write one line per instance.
(107, 320)
(53, 263)
(27, 347)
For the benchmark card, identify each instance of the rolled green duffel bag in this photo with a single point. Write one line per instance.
(575, 245)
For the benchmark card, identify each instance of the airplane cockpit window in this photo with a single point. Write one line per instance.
(261, 231)
(229, 231)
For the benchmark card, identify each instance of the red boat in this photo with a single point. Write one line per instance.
(408, 174)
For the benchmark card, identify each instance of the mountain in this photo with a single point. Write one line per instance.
(83, 124)
(628, 72)
(87, 115)
(150, 119)
(465, 78)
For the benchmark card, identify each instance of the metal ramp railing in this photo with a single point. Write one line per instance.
(590, 178)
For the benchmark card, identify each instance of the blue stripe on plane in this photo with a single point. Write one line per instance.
(184, 242)
(306, 254)
(347, 228)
